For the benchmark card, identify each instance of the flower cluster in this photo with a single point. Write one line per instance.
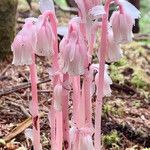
(72, 68)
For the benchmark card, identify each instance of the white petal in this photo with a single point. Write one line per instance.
(86, 143)
(114, 52)
(46, 5)
(130, 9)
(97, 11)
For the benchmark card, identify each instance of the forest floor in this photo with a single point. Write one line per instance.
(126, 114)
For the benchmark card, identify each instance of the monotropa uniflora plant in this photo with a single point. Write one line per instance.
(72, 71)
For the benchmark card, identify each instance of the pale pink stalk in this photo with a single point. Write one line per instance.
(65, 100)
(34, 106)
(23, 48)
(99, 101)
(59, 130)
(48, 13)
(76, 100)
(54, 117)
(88, 102)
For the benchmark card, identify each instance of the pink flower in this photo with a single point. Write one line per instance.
(122, 25)
(114, 52)
(90, 9)
(73, 50)
(81, 138)
(107, 80)
(45, 35)
(130, 9)
(24, 44)
(122, 22)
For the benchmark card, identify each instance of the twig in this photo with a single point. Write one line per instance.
(20, 128)
(3, 72)
(11, 102)
(44, 91)
(23, 86)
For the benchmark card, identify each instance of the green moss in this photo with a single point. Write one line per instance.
(115, 74)
(109, 109)
(138, 80)
(122, 62)
(136, 104)
(111, 139)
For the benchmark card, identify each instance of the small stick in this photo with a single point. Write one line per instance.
(3, 72)
(20, 87)
(11, 102)
(19, 129)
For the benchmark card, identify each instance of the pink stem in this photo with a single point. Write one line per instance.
(66, 137)
(55, 116)
(88, 104)
(35, 117)
(76, 100)
(55, 67)
(59, 130)
(100, 95)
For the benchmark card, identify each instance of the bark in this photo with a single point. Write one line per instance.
(8, 10)
(136, 3)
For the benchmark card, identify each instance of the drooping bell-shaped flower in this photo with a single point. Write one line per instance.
(107, 79)
(130, 9)
(122, 25)
(90, 9)
(114, 52)
(122, 22)
(45, 35)
(73, 50)
(46, 29)
(81, 138)
(24, 44)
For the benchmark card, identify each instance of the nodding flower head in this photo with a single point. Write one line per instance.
(24, 44)
(129, 9)
(122, 25)
(90, 9)
(46, 36)
(122, 22)
(114, 52)
(73, 50)
(107, 80)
